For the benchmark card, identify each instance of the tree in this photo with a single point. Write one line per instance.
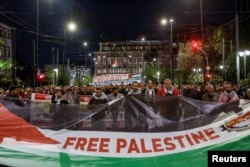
(150, 72)
(5, 67)
(187, 60)
(213, 47)
(86, 79)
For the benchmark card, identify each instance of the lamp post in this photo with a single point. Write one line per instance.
(224, 68)
(158, 77)
(171, 49)
(201, 12)
(35, 61)
(244, 54)
(56, 71)
(85, 44)
(163, 23)
(71, 27)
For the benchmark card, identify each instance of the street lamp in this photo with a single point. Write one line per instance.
(163, 23)
(197, 70)
(56, 71)
(158, 77)
(85, 44)
(202, 35)
(244, 54)
(224, 68)
(71, 27)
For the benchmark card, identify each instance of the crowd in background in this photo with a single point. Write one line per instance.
(224, 92)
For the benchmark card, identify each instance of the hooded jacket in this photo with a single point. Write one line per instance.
(98, 100)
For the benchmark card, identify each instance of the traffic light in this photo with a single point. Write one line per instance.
(195, 45)
(208, 77)
(40, 77)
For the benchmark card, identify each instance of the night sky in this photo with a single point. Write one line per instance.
(95, 19)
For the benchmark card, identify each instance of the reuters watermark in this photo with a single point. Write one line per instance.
(226, 158)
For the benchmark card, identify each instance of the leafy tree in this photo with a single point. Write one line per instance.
(150, 72)
(86, 79)
(5, 67)
(63, 76)
(187, 60)
(213, 48)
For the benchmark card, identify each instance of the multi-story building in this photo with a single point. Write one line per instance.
(129, 57)
(7, 50)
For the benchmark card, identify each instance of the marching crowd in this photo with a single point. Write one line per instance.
(70, 94)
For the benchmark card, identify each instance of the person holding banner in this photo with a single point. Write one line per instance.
(98, 97)
(168, 89)
(210, 95)
(149, 90)
(169, 106)
(14, 92)
(114, 95)
(72, 95)
(135, 89)
(229, 94)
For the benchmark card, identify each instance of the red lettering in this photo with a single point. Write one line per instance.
(211, 134)
(121, 143)
(198, 137)
(81, 142)
(133, 146)
(143, 147)
(157, 145)
(179, 139)
(104, 143)
(169, 144)
(92, 144)
(189, 140)
(69, 142)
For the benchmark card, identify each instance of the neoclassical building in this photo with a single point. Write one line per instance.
(7, 48)
(129, 57)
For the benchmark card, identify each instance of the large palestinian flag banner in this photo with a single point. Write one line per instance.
(136, 130)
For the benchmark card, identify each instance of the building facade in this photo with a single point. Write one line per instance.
(129, 57)
(7, 49)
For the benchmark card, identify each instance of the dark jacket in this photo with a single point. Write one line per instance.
(98, 100)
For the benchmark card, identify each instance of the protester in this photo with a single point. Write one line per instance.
(134, 89)
(168, 89)
(59, 98)
(247, 95)
(150, 89)
(229, 94)
(98, 97)
(14, 92)
(210, 95)
(114, 95)
(85, 90)
(72, 95)
(27, 94)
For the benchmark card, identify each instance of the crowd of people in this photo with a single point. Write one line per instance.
(225, 92)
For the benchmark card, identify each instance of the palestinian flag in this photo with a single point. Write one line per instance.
(115, 65)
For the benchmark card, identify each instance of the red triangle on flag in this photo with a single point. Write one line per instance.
(115, 65)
